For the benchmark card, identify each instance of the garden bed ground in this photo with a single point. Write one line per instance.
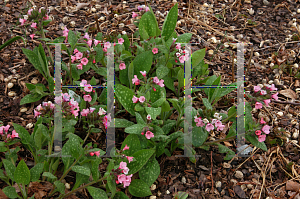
(263, 175)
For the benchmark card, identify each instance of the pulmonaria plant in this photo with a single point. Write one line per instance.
(210, 126)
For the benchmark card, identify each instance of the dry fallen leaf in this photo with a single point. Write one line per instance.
(289, 93)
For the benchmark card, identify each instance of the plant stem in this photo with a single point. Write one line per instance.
(91, 183)
(51, 57)
(86, 137)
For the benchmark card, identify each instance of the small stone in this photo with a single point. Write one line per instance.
(210, 52)
(158, 193)
(12, 94)
(183, 180)
(244, 187)
(298, 11)
(280, 114)
(218, 184)
(152, 197)
(102, 18)
(167, 192)
(234, 181)
(93, 9)
(296, 134)
(249, 186)
(34, 80)
(72, 23)
(256, 54)
(29, 126)
(23, 109)
(153, 187)
(67, 185)
(10, 85)
(226, 165)
(251, 11)
(239, 174)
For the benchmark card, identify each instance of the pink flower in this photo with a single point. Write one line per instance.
(143, 73)
(107, 45)
(219, 125)
(178, 46)
(76, 51)
(122, 66)
(14, 134)
(97, 153)
(273, 88)
(128, 181)
(104, 49)
(155, 80)
(258, 105)
(266, 129)
(147, 9)
(209, 127)
(89, 42)
(92, 154)
(123, 166)
(1, 130)
(262, 121)
(84, 61)
(87, 98)
(121, 178)
(135, 99)
(85, 112)
(134, 15)
(31, 36)
(149, 135)
(142, 99)
(199, 122)
(36, 113)
(275, 96)
(6, 128)
(148, 117)
(22, 21)
(33, 25)
(65, 32)
(261, 138)
(126, 148)
(154, 89)
(86, 36)
(88, 88)
(256, 88)
(120, 41)
(182, 59)
(96, 42)
(66, 97)
(142, 133)
(135, 80)
(29, 11)
(46, 17)
(83, 83)
(101, 111)
(161, 83)
(178, 54)
(263, 92)
(267, 102)
(154, 50)
(129, 158)
(8, 136)
(92, 109)
(78, 55)
(79, 66)
(258, 132)
(73, 58)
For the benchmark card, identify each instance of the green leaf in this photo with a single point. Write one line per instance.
(184, 38)
(150, 172)
(120, 195)
(60, 186)
(22, 173)
(206, 103)
(255, 142)
(170, 22)
(10, 41)
(139, 188)
(158, 94)
(158, 102)
(95, 168)
(58, 40)
(126, 42)
(99, 53)
(165, 107)
(162, 71)
(33, 59)
(169, 82)
(223, 149)
(130, 74)
(93, 81)
(36, 171)
(199, 136)
(122, 123)
(143, 33)
(49, 175)
(39, 137)
(197, 57)
(9, 168)
(72, 39)
(135, 129)
(30, 98)
(142, 62)
(154, 112)
(97, 193)
(83, 170)
(112, 185)
(138, 107)
(24, 135)
(133, 142)
(141, 156)
(180, 77)
(43, 59)
(139, 119)
(51, 84)
(148, 22)
(10, 192)
(125, 96)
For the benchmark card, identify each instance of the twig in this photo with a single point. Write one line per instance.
(286, 102)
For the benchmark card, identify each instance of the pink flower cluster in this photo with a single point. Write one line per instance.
(272, 87)
(209, 125)
(182, 54)
(158, 82)
(78, 55)
(43, 108)
(148, 135)
(96, 153)
(69, 106)
(13, 134)
(143, 8)
(87, 88)
(65, 33)
(122, 66)
(126, 180)
(136, 99)
(265, 129)
(107, 120)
